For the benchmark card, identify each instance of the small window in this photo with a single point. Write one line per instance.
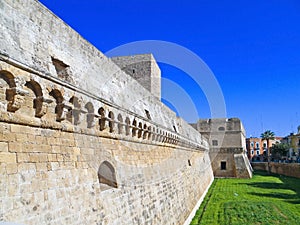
(148, 114)
(252, 144)
(176, 130)
(215, 142)
(221, 128)
(63, 70)
(223, 165)
(252, 152)
(257, 152)
(257, 145)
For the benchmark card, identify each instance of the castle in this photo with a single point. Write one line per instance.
(85, 139)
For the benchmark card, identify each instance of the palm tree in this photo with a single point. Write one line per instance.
(268, 135)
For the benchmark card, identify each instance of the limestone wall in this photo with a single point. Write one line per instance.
(35, 37)
(50, 176)
(76, 143)
(68, 157)
(287, 169)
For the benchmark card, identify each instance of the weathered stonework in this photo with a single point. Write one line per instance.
(287, 169)
(82, 142)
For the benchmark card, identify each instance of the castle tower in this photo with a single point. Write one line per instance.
(144, 69)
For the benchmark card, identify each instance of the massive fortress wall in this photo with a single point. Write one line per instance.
(82, 142)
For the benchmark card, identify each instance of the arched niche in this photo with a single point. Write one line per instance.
(7, 83)
(107, 175)
(60, 109)
(90, 115)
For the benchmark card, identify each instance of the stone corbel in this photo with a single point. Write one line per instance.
(60, 111)
(15, 97)
(90, 117)
(102, 122)
(77, 115)
(41, 105)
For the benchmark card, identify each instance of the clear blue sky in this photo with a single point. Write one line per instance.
(252, 47)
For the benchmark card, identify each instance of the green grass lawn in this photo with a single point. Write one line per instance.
(264, 199)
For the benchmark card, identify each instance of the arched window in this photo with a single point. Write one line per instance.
(107, 175)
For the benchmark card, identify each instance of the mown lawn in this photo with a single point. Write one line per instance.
(264, 199)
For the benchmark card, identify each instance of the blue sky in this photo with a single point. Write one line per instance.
(252, 47)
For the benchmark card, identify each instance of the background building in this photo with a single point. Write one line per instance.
(294, 141)
(257, 148)
(227, 146)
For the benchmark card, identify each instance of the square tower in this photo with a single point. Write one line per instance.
(144, 69)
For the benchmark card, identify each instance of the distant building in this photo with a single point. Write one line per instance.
(227, 146)
(257, 148)
(294, 141)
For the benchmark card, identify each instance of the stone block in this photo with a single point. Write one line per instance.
(54, 166)
(22, 157)
(15, 147)
(38, 157)
(8, 157)
(16, 128)
(41, 167)
(11, 168)
(7, 136)
(52, 157)
(20, 137)
(55, 149)
(27, 168)
(3, 147)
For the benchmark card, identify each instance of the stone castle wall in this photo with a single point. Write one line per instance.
(50, 176)
(77, 145)
(287, 169)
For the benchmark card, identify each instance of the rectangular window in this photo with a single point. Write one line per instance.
(252, 152)
(215, 142)
(257, 152)
(223, 165)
